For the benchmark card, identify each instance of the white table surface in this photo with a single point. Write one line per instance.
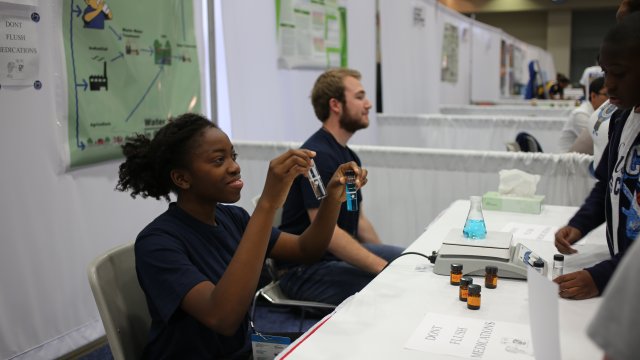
(377, 322)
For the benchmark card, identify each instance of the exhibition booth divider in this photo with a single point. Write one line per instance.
(471, 132)
(408, 187)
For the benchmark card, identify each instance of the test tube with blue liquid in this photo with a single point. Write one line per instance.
(474, 227)
(352, 192)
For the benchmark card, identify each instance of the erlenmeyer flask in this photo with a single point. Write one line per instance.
(474, 227)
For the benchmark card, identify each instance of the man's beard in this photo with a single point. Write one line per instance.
(351, 124)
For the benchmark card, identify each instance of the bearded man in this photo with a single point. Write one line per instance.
(355, 254)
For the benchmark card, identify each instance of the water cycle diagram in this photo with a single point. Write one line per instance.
(131, 65)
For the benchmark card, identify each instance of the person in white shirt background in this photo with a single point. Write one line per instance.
(588, 75)
(579, 118)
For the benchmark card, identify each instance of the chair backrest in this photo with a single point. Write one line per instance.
(121, 302)
(512, 146)
(528, 143)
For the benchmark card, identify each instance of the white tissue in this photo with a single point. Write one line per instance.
(517, 183)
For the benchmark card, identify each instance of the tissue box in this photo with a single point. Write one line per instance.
(492, 200)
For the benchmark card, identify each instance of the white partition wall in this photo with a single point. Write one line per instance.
(458, 92)
(485, 64)
(269, 103)
(418, 183)
(408, 187)
(472, 132)
(409, 51)
(411, 39)
(508, 110)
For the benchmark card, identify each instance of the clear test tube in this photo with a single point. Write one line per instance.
(316, 181)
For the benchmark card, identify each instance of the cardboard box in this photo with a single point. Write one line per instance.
(492, 200)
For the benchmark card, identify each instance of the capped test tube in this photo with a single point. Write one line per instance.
(352, 193)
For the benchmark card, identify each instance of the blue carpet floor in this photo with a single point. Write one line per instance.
(101, 353)
(268, 319)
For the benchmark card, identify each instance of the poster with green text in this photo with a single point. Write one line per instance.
(311, 34)
(131, 65)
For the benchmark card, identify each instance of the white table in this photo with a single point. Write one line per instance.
(376, 322)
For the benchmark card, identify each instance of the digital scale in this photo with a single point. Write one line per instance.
(475, 254)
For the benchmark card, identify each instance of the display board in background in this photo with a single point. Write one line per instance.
(130, 67)
(311, 34)
(449, 61)
(513, 78)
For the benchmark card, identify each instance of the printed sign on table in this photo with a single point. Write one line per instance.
(469, 338)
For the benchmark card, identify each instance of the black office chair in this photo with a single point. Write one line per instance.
(272, 292)
(274, 295)
(528, 142)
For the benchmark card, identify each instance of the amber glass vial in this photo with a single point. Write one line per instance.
(465, 281)
(490, 277)
(456, 274)
(473, 297)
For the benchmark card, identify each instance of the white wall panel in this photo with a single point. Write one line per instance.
(485, 66)
(410, 53)
(269, 103)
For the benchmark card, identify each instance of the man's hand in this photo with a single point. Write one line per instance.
(565, 237)
(577, 285)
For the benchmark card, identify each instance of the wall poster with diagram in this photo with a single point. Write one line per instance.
(131, 65)
(311, 33)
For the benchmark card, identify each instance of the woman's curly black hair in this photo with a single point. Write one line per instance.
(146, 170)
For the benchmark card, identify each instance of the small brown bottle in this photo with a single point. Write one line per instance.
(456, 274)
(473, 298)
(491, 277)
(465, 281)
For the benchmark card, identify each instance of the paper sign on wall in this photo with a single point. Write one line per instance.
(449, 59)
(19, 54)
(311, 34)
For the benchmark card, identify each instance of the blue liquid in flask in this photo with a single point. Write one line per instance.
(475, 229)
